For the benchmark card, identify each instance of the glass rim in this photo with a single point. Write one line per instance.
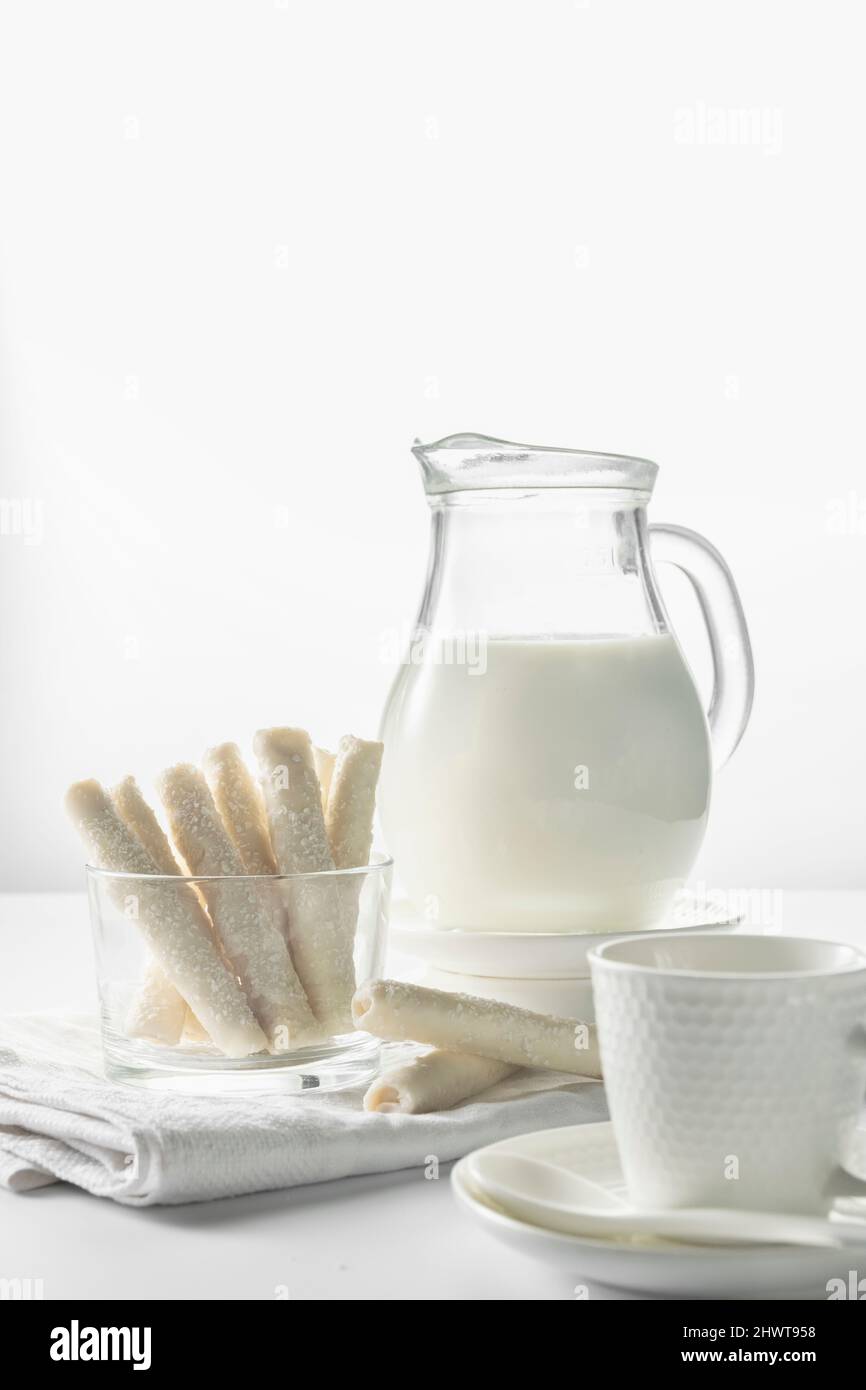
(466, 462)
(379, 864)
(548, 494)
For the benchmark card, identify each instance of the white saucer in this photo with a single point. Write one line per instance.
(649, 1266)
(536, 955)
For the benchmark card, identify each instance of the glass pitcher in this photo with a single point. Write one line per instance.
(547, 759)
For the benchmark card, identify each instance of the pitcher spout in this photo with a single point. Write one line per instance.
(476, 461)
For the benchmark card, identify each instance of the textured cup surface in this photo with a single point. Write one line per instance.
(735, 1067)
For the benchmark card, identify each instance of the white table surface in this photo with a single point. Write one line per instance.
(393, 1236)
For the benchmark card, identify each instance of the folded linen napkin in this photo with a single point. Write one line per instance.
(61, 1120)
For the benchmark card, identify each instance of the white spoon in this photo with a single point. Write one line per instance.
(549, 1196)
(546, 1181)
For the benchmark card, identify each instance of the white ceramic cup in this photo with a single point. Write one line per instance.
(735, 1067)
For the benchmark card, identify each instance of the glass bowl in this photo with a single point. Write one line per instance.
(184, 1059)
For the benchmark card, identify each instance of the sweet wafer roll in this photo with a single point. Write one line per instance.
(243, 913)
(239, 802)
(141, 820)
(172, 922)
(157, 1013)
(192, 1029)
(320, 930)
(349, 816)
(293, 801)
(436, 1081)
(323, 761)
(153, 1007)
(403, 1012)
(352, 801)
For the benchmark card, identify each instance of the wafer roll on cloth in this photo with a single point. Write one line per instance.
(401, 1012)
(435, 1081)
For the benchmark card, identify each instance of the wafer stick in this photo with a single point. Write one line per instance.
(436, 1081)
(172, 921)
(403, 1012)
(293, 801)
(349, 817)
(157, 1011)
(352, 801)
(320, 932)
(141, 820)
(239, 802)
(192, 1029)
(244, 913)
(323, 761)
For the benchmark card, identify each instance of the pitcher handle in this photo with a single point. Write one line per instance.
(733, 666)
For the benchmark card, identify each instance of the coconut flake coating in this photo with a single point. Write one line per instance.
(402, 1012)
(321, 930)
(243, 910)
(171, 920)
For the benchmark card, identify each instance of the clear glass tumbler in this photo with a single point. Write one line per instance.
(151, 1038)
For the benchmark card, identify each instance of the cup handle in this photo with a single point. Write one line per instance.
(733, 665)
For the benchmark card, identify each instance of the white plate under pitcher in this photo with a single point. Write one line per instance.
(541, 955)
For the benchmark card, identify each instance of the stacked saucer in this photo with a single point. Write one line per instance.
(520, 1191)
(545, 971)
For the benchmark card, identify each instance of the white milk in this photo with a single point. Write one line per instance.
(564, 788)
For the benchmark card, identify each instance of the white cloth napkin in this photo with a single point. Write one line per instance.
(60, 1120)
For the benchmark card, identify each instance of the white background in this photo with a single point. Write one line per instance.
(249, 250)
